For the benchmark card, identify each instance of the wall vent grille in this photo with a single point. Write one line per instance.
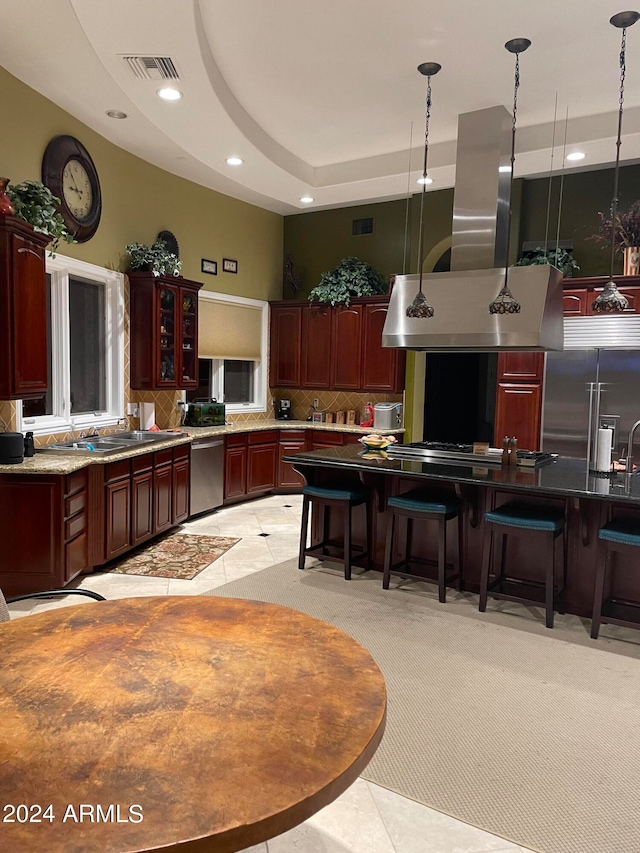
(152, 67)
(360, 227)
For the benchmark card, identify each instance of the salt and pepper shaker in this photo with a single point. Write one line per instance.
(513, 451)
(505, 450)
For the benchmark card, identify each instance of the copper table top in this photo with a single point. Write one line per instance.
(177, 723)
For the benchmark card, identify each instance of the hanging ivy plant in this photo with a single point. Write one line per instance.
(351, 277)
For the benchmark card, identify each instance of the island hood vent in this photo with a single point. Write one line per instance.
(461, 298)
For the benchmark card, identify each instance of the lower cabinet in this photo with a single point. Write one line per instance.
(118, 501)
(180, 485)
(141, 507)
(291, 441)
(250, 464)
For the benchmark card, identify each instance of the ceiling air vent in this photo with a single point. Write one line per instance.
(152, 67)
(360, 227)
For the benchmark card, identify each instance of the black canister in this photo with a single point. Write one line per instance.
(11, 448)
(29, 446)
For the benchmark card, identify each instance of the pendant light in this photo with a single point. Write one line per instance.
(611, 300)
(505, 302)
(419, 307)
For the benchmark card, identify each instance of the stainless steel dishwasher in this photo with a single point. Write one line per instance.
(207, 474)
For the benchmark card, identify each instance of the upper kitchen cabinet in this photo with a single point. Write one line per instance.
(578, 294)
(317, 333)
(164, 332)
(285, 345)
(382, 367)
(346, 352)
(23, 311)
(338, 348)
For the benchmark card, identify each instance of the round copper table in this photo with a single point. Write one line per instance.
(177, 723)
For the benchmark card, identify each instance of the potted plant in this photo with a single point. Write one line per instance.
(626, 235)
(351, 277)
(156, 259)
(561, 259)
(38, 206)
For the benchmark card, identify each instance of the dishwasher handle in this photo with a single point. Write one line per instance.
(201, 445)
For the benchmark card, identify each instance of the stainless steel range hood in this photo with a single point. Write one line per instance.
(461, 298)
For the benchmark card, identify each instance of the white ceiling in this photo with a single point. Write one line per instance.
(322, 97)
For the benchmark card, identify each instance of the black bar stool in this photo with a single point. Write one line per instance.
(348, 498)
(508, 520)
(619, 534)
(421, 505)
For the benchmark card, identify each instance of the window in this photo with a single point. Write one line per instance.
(232, 351)
(85, 337)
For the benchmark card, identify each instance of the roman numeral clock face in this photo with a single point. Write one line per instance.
(70, 174)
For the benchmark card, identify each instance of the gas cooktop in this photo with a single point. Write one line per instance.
(463, 454)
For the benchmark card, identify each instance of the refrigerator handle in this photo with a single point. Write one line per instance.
(595, 390)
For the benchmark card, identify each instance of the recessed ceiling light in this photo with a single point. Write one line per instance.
(576, 155)
(504, 169)
(426, 181)
(169, 94)
(116, 114)
(306, 199)
(234, 161)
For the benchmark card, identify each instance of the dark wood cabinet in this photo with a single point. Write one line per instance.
(382, 367)
(162, 498)
(141, 507)
(285, 345)
(520, 366)
(319, 346)
(579, 293)
(181, 469)
(118, 520)
(317, 327)
(291, 441)
(164, 332)
(518, 413)
(235, 466)
(261, 467)
(23, 311)
(346, 352)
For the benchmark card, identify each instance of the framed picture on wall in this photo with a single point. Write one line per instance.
(209, 266)
(229, 265)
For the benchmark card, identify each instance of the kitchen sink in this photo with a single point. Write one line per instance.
(103, 445)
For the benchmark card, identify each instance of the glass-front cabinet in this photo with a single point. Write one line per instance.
(164, 332)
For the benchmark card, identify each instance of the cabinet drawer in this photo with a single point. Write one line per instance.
(76, 556)
(74, 526)
(162, 457)
(292, 435)
(181, 452)
(327, 437)
(266, 437)
(74, 504)
(75, 482)
(117, 470)
(142, 463)
(236, 440)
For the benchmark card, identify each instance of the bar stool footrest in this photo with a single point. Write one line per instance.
(522, 592)
(618, 612)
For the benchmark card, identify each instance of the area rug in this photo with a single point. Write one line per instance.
(178, 555)
(529, 733)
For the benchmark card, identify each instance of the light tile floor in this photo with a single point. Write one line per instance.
(366, 818)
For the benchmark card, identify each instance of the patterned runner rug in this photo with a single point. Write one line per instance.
(526, 732)
(178, 555)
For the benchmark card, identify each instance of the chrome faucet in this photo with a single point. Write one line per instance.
(629, 465)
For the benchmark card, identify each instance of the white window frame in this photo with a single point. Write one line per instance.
(62, 420)
(260, 372)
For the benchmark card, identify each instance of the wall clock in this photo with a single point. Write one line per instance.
(70, 174)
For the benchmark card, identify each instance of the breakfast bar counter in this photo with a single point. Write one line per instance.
(588, 501)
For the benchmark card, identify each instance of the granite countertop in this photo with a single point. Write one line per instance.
(59, 462)
(271, 423)
(563, 476)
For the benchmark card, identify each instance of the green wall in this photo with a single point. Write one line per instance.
(139, 200)
(317, 241)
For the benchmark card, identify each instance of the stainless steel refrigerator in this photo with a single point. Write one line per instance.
(586, 388)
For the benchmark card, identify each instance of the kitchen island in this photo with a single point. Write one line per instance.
(588, 501)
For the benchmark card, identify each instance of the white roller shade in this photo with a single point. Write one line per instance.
(226, 330)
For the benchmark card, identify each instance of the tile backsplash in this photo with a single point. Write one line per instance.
(330, 401)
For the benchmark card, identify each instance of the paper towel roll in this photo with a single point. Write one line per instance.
(603, 450)
(147, 415)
